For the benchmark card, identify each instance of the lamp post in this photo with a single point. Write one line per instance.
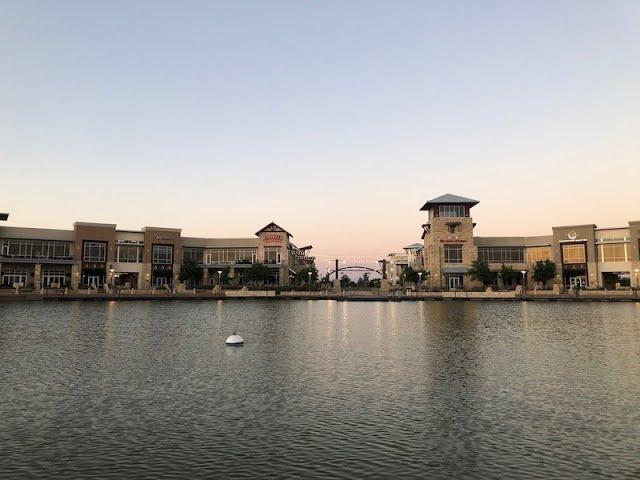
(637, 270)
(419, 280)
(523, 272)
(220, 277)
(112, 275)
(309, 283)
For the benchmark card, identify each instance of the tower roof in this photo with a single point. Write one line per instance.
(449, 199)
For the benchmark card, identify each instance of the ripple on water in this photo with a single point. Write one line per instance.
(320, 390)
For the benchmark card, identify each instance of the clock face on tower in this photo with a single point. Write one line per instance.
(572, 235)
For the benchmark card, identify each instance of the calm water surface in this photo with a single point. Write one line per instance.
(321, 390)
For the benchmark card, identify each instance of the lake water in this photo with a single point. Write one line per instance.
(322, 389)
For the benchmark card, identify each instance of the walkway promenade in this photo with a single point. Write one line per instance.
(346, 295)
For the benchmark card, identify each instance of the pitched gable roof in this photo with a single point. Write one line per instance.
(449, 199)
(273, 227)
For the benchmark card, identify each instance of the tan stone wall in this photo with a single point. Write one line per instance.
(277, 240)
(439, 236)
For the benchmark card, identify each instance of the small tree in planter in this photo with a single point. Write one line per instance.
(190, 273)
(302, 277)
(479, 271)
(508, 274)
(258, 274)
(544, 271)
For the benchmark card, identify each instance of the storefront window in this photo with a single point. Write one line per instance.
(615, 252)
(272, 255)
(538, 254)
(501, 254)
(162, 254)
(129, 253)
(574, 253)
(36, 249)
(94, 251)
(230, 256)
(453, 254)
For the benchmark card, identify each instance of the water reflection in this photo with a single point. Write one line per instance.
(326, 389)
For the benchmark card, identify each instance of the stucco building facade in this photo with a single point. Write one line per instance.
(585, 255)
(95, 254)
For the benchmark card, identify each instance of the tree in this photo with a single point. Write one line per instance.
(543, 271)
(258, 273)
(302, 277)
(190, 273)
(479, 271)
(363, 281)
(410, 275)
(224, 278)
(375, 283)
(413, 276)
(345, 281)
(508, 274)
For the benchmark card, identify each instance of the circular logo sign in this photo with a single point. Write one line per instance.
(572, 235)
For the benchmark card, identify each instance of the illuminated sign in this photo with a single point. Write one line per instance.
(271, 238)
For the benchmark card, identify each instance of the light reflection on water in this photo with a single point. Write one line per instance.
(321, 389)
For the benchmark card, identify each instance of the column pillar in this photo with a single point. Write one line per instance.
(37, 276)
(75, 276)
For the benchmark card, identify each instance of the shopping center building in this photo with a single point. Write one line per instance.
(92, 254)
(585, 255)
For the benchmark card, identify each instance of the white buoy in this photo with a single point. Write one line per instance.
(235, 340)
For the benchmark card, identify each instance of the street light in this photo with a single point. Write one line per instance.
(219, 277)
(523, 272)
(419, 280)
(309, 284)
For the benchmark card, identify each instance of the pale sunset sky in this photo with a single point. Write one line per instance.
(335, 119)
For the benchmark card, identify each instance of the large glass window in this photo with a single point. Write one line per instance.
(453, 254)
(614, 252)
(574, 253)
(538, 254)
(94, 251)
(162, 254)
(128, 253)
(11, 275)
(36, 248)
(452, 210)
(230, 256)
(194, 254)
(272, 255)
(51, 278)
(501, 254)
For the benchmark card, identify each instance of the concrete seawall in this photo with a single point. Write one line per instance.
(324, 295)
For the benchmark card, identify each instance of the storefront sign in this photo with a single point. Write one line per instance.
(271, 238)
(165, 236)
